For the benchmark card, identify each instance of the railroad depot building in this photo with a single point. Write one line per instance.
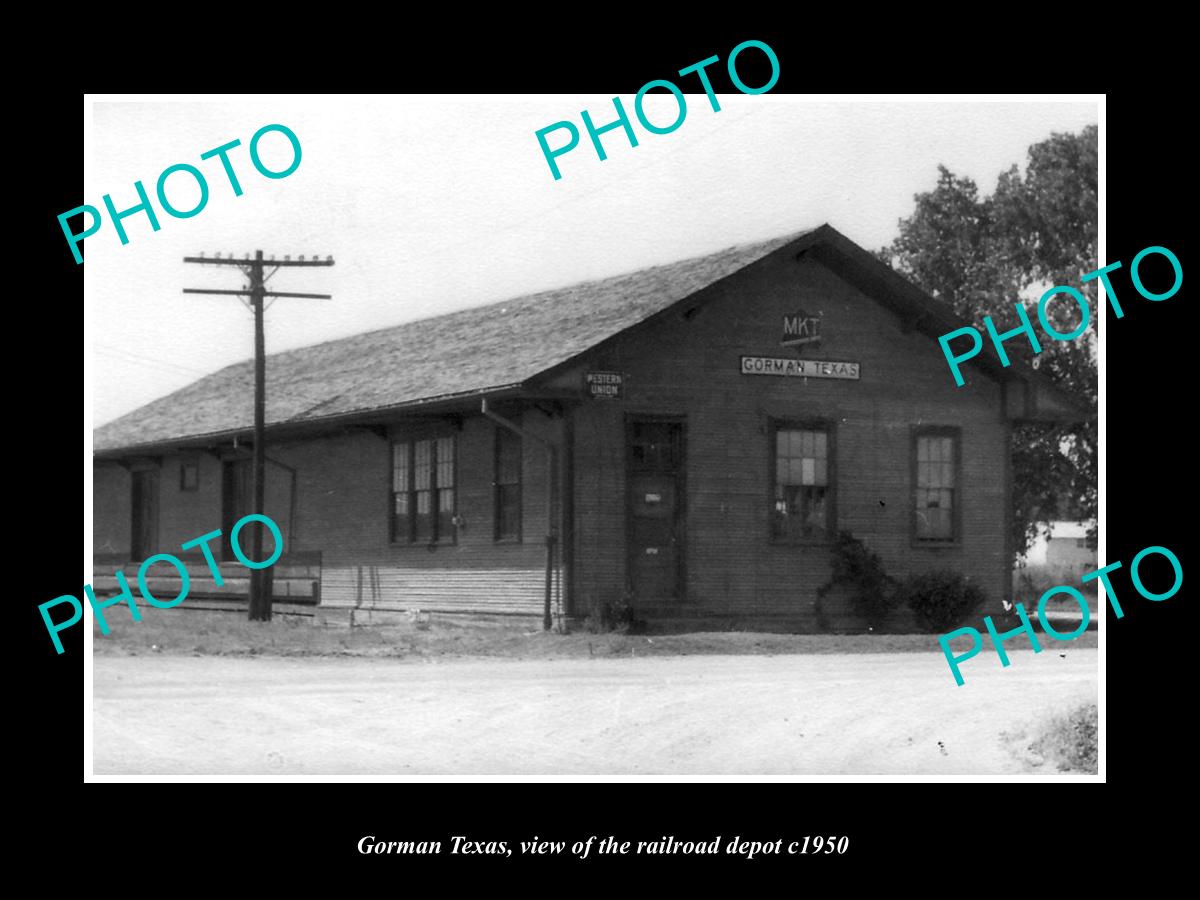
(691, 436)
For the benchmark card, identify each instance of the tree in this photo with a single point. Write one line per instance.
(983, 255)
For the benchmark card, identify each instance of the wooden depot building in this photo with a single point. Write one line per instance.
(690, 436)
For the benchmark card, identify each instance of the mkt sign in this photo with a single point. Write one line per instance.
(800, 328)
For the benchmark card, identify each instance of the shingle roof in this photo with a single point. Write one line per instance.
(465, 352)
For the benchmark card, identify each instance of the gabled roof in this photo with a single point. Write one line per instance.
(495, 348)
(472, 351)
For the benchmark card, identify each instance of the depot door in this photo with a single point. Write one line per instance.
(144, 508)
(655, 484)
(237, 499)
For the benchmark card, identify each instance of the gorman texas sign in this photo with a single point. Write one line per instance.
(798, 368)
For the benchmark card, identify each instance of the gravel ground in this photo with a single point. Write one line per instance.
(827, 714)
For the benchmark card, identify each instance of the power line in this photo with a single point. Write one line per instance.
(133, 357)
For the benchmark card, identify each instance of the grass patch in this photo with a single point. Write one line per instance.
(1070, 742)
(189, 632)
(1030, 582)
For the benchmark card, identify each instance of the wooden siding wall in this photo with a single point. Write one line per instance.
(182, 517)
(111, 512)
(690, 367)
(342, 504)
(185, 515)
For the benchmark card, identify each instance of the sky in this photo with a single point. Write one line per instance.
(430, 204)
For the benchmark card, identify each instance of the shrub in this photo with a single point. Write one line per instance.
(940, 599)
(861, 571)
(1070, 741)
(614, 614)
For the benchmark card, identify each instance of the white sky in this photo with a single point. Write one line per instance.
(432, 204)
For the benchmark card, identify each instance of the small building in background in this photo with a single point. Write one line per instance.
(1067, 548)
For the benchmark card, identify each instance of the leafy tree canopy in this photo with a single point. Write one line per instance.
(983, 255)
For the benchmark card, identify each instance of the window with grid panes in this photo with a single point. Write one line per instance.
(423, 498)
(803, 490)
(936, 486)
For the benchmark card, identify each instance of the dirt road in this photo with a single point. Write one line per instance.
(722, 715)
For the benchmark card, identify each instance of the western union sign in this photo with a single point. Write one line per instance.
(798, 368)
(605, 385)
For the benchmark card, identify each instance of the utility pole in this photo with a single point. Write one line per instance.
(261, 580)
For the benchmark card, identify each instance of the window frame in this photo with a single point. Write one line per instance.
(829, 426)
(409, 537)
(916, 433)
(502, 433)
(189, 462)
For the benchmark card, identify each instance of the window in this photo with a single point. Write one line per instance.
(508, 485)
(423, 491)
(189, 475)
(802, 499)
(936, 486)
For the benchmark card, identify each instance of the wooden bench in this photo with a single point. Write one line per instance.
(294, 581)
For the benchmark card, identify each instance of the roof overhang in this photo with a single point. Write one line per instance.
(465, 402)
(1029, 396)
